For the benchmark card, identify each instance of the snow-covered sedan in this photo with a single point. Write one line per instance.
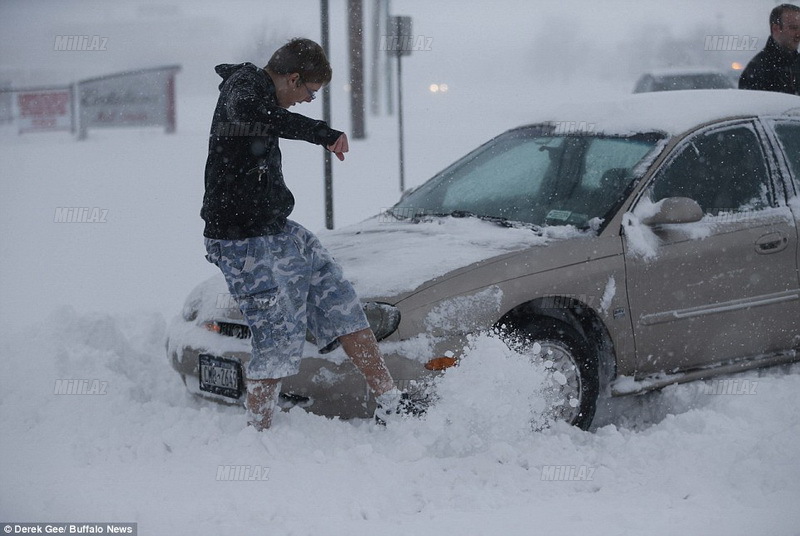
(628, 245)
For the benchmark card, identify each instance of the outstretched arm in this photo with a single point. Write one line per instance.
(340, 146)
(245, 104)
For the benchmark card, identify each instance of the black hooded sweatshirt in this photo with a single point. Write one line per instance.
(772, 69)
(245, 194)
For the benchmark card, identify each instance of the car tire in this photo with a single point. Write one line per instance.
(572, 367)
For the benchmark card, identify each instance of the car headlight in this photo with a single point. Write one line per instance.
(383, 318)
(190, 310)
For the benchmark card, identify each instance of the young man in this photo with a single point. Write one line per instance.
(282, 278)
(777, 67)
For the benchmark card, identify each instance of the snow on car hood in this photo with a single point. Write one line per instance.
(384, 258)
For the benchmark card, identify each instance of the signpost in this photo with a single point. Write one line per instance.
(398, 44)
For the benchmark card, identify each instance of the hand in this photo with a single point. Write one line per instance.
(339, 147)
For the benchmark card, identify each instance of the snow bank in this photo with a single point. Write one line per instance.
(682, 461)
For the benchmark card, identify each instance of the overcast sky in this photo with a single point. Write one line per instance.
(470, 42)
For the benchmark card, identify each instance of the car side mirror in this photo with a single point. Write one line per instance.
(675, 210)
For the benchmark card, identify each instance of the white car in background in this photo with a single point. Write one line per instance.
(673, 79)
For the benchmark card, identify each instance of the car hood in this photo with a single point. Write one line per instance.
(384, 257)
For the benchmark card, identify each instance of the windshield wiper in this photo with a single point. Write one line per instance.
(420, 215)
(499, 220)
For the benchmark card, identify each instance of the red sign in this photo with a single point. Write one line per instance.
(44, 110)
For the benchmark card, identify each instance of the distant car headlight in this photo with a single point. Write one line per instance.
(383, 318)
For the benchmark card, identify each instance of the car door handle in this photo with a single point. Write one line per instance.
(772, 243)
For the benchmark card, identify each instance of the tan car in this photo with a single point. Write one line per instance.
(628, 244)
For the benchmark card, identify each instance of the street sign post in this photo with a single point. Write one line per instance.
(399, 42)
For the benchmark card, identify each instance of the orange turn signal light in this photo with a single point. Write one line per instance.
(212, 326)
(441, 363)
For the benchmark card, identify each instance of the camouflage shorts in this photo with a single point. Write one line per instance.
(286, 284)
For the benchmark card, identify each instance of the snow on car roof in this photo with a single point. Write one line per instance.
(673, 112)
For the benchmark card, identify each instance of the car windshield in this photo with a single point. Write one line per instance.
(534, 176)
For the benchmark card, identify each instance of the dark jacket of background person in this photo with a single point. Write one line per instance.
(245, 194)
(773, 69)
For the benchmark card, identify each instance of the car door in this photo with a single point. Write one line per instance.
(725, 287)
(788, 134)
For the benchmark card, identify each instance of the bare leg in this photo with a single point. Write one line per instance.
(262, 397)
(362, 348)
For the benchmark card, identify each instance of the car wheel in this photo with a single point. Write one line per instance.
(572, 382)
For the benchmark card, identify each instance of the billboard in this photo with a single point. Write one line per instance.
(136, 98)
(44, 110)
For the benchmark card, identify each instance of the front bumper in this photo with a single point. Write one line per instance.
(328, 385)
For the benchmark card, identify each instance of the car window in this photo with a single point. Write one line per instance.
(692, 81)
(789, 135)
(531, 176)
(609, 156)
(510, 170)
(724, 171)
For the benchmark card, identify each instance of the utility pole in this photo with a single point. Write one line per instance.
(388, 83)
(374, 83)
(326, 116)
(355, 16)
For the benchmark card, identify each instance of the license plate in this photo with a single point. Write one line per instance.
(221, 376)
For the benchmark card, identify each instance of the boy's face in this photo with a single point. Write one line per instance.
(295, 91)
(787, 34)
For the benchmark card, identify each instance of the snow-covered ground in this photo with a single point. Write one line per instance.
(85, 308)
(682, 461)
